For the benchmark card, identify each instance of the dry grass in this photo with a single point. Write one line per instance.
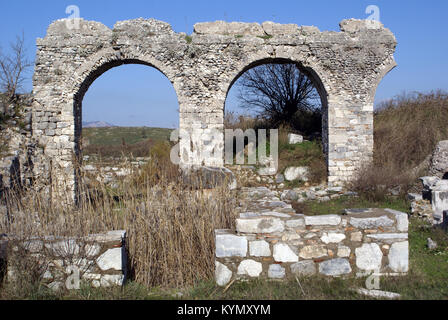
(406, 130)
(170, 227)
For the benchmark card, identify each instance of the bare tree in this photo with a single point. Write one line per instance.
(282, 94)
(13, 68)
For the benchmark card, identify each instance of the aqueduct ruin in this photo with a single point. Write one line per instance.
(346, 66)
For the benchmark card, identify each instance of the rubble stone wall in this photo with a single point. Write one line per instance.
(98, 259)
(346, 67)
(276, 245)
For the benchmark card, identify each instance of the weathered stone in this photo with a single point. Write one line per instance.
(335, 267)
(91, 250)
(260, 225)
(370, 223)
(402, 219)
(108, 280)
(294, 138)
(295, 223)
(356, 236)
(313, 251)
(399, 256)
(276, 271)
(111, 259)
(284, 253)
(304, 268)
(388, 236)
(329, 219)
(296, 173)
(439, 160)
(431, 244)
(223, 275)
(378, 293)
(250, 267)
(332, 237)
(369, 256)
(259, 248)
(272, 28)
(344, 251)
(229, 245)
(63, 248)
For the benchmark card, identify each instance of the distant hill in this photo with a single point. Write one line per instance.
(108, 136)
(96, 124)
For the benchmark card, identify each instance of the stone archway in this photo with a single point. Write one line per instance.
(202, 67)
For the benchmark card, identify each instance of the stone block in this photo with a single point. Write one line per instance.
(294, 138)
(223, 275)
(296, 173)
(260, 225)
(284, 253)
(313, 251)
(332, 237)
(250, 267)
(229, 245)
(259, 248)
(111, 259)
(329, 219)
(335, 267)
(371, 223)
(303, 268)
(276, 271)
(399, 256)
(369, 257)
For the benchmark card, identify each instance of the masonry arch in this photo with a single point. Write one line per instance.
(309, 72)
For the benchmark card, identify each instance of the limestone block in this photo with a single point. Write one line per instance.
(399, 256)
(304, 268)
(332, 237)
(329, 219)
(222, 274)
(335, 267)
(313, 251)
(284, 253)
(343, 251)
(229, 245)
(250, 267)
(369, 256)
(402, 219)
(259, 248)
(108, 280)
(276, 271)
(371, 223)
(260, 225)
(294, 138)
(272, 28)
(111, 259)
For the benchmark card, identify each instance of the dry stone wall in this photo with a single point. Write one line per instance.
(278, 245)
(346, 67)
(98, 259)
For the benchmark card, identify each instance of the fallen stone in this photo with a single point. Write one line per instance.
(431, 244)
(296, 173)
(294, 138)
(378, 293)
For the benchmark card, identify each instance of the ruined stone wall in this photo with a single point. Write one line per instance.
(276, 245)
(346, 67)
(98, 259)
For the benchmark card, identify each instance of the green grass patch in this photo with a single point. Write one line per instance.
(336, 206)
(130, 135)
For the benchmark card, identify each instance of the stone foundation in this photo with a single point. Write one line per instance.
(98, 259)
(277, 245)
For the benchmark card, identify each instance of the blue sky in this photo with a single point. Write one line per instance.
(139, 95)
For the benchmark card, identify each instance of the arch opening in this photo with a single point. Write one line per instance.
(301, 122)
(133, 107)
